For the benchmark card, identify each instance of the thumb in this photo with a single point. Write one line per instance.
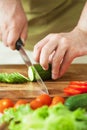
(12, 37)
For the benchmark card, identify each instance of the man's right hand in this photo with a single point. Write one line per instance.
(13, 22)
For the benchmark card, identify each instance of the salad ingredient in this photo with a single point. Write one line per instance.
(45, 99)
(57, 117)
(5, 103)
(57, 99)
(80, 83)
(20, 102)
(71, 91)
(76, 87)
(35, 104)
(13, 78)
(45, 74)
(77, 101)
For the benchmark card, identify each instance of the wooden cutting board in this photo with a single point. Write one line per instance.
(16, 91)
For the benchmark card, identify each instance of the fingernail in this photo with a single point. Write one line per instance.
(54, 76)
(45, 68)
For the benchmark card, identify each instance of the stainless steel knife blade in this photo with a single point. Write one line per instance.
(26, 59)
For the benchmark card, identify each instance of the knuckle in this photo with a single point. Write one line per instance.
(45, 50)
(64, 42)
(55, 61)
(51, 35)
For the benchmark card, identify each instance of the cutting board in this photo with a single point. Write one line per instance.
(16, 91)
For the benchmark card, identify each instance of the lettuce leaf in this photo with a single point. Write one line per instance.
(57, 117)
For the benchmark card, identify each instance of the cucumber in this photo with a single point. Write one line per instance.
(44, 74)
(13, 78)
(77, 101)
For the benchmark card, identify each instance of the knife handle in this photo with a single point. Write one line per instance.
(19, 43)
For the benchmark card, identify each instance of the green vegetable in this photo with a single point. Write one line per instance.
(77, 101)
(45, 74)
(13, 78)
(58, 117)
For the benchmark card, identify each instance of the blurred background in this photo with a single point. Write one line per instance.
(8, 56)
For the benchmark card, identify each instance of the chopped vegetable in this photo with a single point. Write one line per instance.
(71, 91)
(45, 74)
(80, 83)
(76, 87)
(13, 78)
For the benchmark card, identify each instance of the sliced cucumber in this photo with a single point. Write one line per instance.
(45, 74)
(13, 78)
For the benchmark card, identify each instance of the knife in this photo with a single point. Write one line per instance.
(26, 59)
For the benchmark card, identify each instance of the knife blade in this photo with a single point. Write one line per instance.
(26, 59)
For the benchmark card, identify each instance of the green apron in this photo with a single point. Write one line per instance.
(50, 16)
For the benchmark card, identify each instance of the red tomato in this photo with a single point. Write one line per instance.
(44, 99)
(71, 91)
(35, 104)
(81, 88)
(57, 99)
(5, 103)
(20, 102)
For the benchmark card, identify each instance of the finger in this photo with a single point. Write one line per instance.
(4, 37)
(13, 36)
(46, 51)
(38, 47)
(51, 57)
(4, 33)
(58, 57)
(65, 64)
(24, 33)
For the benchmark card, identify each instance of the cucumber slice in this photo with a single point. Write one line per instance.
(13, 78)
(45, 74)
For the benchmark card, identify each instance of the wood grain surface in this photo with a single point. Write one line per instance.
(31, 90)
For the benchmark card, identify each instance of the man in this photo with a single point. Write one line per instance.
(46, 17)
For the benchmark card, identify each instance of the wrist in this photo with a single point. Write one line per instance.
(82, 26)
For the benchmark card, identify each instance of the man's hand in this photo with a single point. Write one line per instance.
(60, 50)
(13, 22)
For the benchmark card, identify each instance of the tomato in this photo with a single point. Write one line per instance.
(20, 102)
(5, 103)
(71, 91)
(81, 88)
(34, 104)
(57, 99)
(44, 99)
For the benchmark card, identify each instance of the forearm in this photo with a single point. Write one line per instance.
(82, 24)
